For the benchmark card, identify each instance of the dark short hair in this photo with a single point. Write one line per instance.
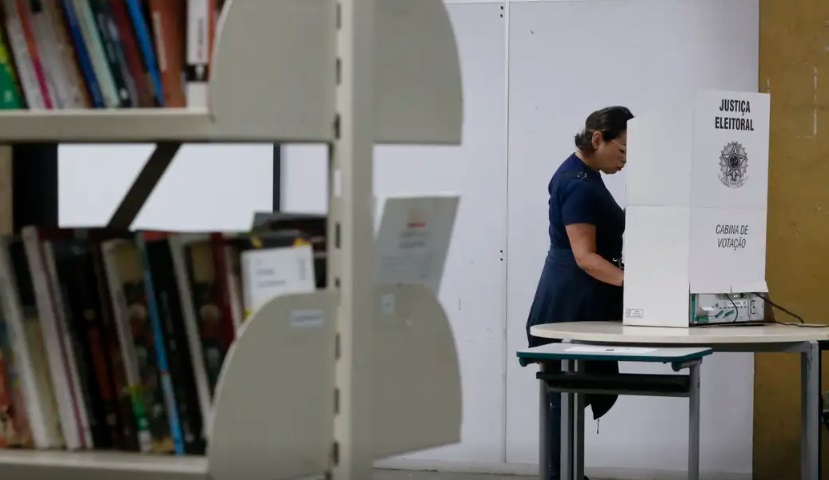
(610, 121)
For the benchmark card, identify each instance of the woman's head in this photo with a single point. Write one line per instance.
(603, 142)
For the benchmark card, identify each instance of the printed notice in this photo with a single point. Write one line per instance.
(388, 304)
(307, 318)
(735, 115)
(619, 350)
(731, 236)
(271, 272)
(413, 240)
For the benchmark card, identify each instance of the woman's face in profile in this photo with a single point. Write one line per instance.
(611, 155)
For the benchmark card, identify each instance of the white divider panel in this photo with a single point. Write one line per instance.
(416, 380)
(270, 69)
(417, 76)
(274, 407)
(473, 288)
(568, 58)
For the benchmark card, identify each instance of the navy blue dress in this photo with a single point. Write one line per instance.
(566, 293)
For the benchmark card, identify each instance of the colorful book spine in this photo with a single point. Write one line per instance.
(46, 42)
(26, 337)
(77, 96)
(145, 41)
(6, 408)
(68, 405)
(14, 408)
(161, 351)
(201, 31)
(92, 38)
(22, 59)
(124, 86)
(73, 361)
(9, 91)
(129, 306)
(83, 55)
(116, 37)
(46, 91)
(132, 54)
(178, 244)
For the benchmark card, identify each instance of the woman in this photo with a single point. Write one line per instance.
(582, 279)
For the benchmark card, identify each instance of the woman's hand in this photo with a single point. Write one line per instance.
(583, 243)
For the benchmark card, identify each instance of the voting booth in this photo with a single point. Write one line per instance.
(697, 190)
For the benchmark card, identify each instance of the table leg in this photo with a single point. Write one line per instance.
(693, 423)
(578, 430)
(544, 433)
(810, 414)
(567, 441)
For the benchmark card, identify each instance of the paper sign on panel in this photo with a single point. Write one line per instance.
(731, 150)
(728, 249)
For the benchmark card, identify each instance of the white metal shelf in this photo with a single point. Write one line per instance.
(273, 79)
(413, 352)
(104, 125)
(62, 465)
(274, 408)
(273, 413)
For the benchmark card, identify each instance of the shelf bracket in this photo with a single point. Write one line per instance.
(144, 185)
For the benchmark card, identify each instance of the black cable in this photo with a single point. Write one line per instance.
(789, 312)
(736, 310)
(802, 325)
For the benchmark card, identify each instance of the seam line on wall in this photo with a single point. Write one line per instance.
(504, 255)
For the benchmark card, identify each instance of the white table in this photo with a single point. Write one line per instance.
(572, 382)
(769, 338)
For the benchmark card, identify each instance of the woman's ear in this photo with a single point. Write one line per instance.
(596, 139)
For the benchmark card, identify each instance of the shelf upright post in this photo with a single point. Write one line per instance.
(351, 210)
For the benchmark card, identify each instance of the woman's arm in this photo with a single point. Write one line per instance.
(583, 243)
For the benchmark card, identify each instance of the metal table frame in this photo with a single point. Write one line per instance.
(572, 408)
(572, 416)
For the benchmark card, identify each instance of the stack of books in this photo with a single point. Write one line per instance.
(115, 339)
(81, 54)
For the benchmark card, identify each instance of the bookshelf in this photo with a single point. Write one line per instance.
(317, 383)
(254, 98)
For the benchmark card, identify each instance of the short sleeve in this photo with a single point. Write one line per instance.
(579, 204)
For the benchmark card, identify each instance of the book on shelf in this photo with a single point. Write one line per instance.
(114, 340)
(82, 54)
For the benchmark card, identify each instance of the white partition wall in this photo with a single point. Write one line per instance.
(473, 290)
(566, 59)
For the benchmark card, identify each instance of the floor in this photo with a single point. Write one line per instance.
(406, 475)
